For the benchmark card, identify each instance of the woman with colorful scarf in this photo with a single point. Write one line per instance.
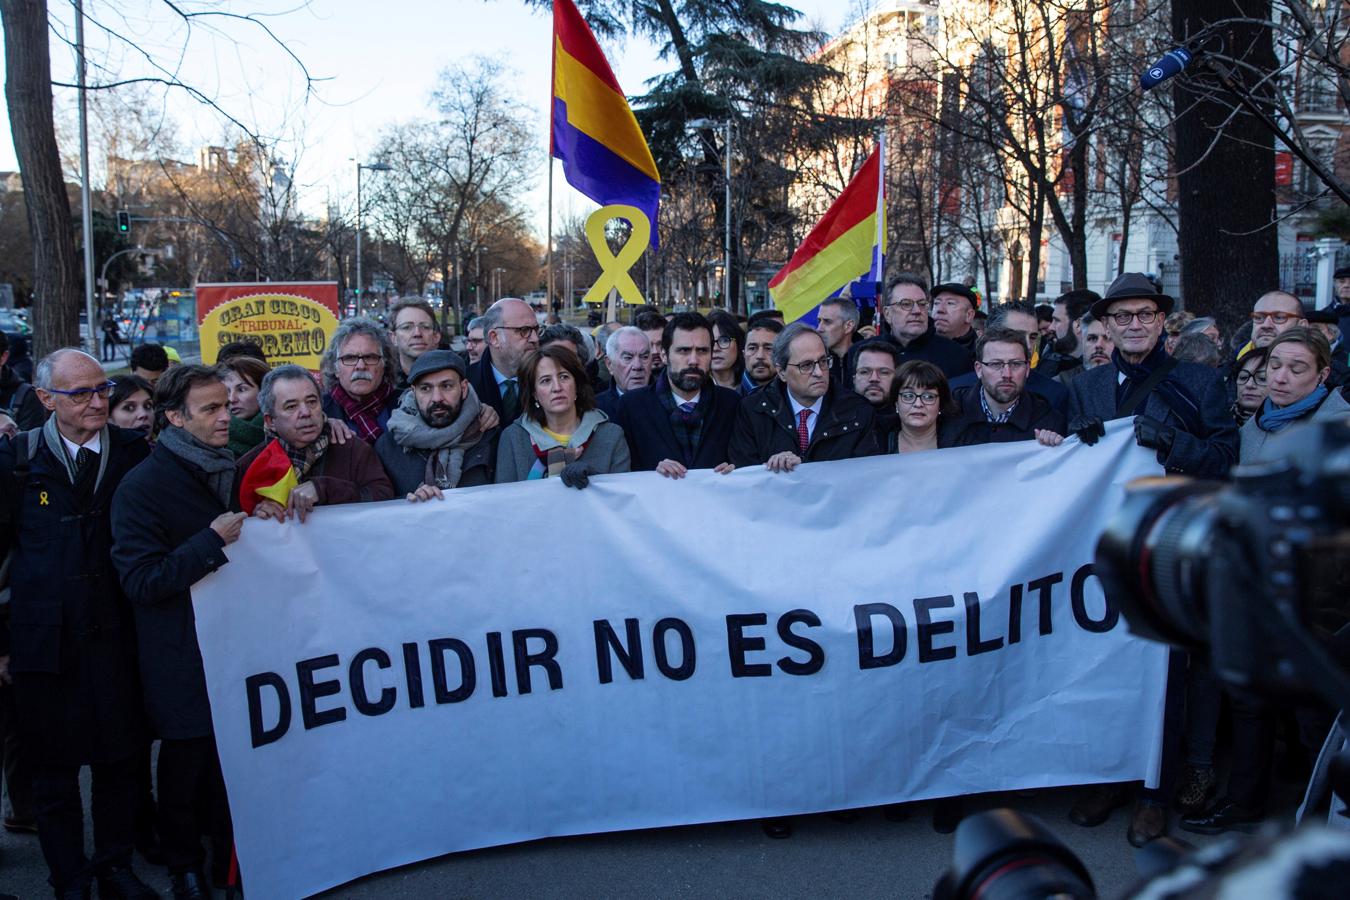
(560, 433)
(1298, 363)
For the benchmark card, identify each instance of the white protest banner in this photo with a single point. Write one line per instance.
(394, 682)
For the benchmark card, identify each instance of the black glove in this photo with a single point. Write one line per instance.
(577, 474)
(1087, 428)
(1149, 432)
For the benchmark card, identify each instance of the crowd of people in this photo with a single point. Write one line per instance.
(118, 495)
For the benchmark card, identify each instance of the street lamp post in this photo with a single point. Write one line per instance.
(373, 167)
(726, 235)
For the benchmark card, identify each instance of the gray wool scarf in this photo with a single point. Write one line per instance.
(52, 437)
(446, 462)
(216, 462)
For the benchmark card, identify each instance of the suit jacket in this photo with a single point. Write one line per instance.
(608, 402)
(651, 438)
(1210, 453)
(485, 384)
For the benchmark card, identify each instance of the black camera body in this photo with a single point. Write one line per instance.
(1254, 575)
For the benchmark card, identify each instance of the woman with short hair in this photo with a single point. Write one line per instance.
(1298, 363)
(560, 433)
(922, 398)
(243, 376)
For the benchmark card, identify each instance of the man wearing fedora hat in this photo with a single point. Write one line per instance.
(1180, 412)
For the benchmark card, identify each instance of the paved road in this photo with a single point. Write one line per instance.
(871, 857)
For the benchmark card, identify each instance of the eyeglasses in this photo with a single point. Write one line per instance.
(410, 327)
(724, 341)
(1279, 318)
(909, 305)
(927, 398)
(522, 331)
(1245, 377)
(82, 396)
(472, 342)
(1011, 365)
(370, 359)
(806, 368)
(1145, 317)
(868, 373)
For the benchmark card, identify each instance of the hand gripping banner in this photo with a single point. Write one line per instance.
(392, 682)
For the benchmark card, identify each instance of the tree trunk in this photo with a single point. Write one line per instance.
(28, 94)
(1035, 228)
(1229, 189)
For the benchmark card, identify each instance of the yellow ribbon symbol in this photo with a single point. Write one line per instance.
(614, 269)
(42, 499)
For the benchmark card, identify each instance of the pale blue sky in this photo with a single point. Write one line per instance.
(380, 59)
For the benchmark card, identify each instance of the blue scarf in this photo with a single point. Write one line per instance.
(1274, 418)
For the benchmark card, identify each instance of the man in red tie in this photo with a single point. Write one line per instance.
(803, 417)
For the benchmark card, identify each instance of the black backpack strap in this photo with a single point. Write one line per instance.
(1140, 393)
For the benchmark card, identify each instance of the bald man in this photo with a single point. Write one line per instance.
(511, 332)
(73, 660)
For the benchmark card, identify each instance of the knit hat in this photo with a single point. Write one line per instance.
(437, 361)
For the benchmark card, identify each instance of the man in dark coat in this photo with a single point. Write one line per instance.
(1020, 316)
(329, 471)
(906, 316)
(999, 408)
(628, 357)
(954, 308)
(1184, 415)
(1181, 412)
(511, 331)
(434, 442)
(74, 649)
(800, 416)
(874, 363)
(682, 420)
(171, 522)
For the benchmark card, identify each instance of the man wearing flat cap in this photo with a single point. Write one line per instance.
(434, 441)
(1328, 322)
(954, 308)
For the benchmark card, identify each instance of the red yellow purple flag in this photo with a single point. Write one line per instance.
(847, 243)
(592, 129)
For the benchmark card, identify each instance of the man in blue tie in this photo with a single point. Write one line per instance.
(511, 331)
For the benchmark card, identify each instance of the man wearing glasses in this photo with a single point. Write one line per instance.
(1275, 313)
(73, 661)
(999, 408)
(906, 317)
(512, 332)
(415, 332)
(1181, 412)
(358, 375)
(803, 416)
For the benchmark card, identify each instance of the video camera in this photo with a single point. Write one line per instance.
(1254, 576)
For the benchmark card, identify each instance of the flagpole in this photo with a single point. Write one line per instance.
(548, 255)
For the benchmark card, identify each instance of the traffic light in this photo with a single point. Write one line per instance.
(123, 221)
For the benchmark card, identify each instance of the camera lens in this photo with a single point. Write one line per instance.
(1007, 855)
(1151, 558)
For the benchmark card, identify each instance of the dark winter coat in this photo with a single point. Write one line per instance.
(74, 643)
(968, 425)
(407, 467)
(608, 402)
(346, 473)
(485, 384)
(163, 545)
(651, 438)
(765, 425)
(1209, 453)
(946, 354)
(1037, 383)
(20, 400)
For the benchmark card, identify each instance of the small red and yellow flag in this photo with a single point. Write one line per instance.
(269, 477)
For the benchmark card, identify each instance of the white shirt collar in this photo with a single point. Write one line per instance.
(95, 443)
(679, 400)
(797, 407)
